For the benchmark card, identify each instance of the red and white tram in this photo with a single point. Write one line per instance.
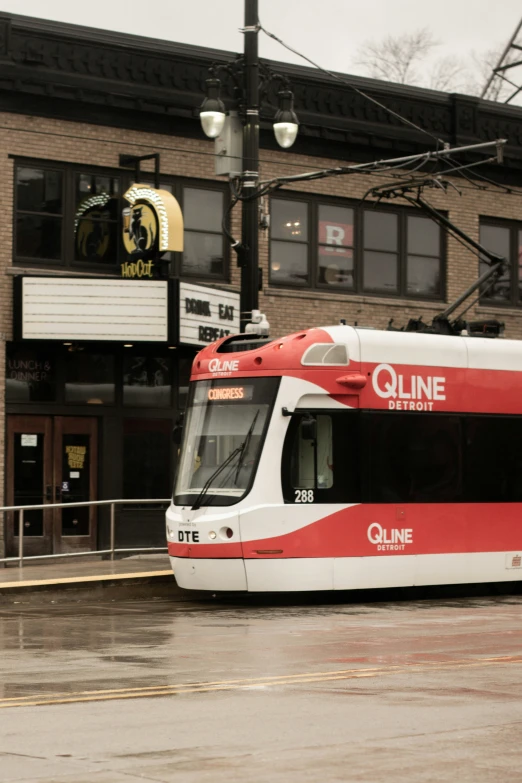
(343, 458)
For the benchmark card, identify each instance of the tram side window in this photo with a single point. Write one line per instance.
(312, 459)
(493, 459)
(414, 458)
(323, 469)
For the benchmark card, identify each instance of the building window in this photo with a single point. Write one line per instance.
(289, 242)
(335, 247)
(504, 238)
(67, 216)
(355, 248)
(89, 378)
(147, 381)
(203, 254)
(70, 216)
(423, 259)
(96, 222)
(39, 200)
(381, 252)
(30, 376)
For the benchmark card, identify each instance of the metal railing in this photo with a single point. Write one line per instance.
(112, 548)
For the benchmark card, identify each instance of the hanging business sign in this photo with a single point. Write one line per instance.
(206, 314)
(152, 226)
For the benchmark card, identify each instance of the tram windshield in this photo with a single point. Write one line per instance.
(225, 426)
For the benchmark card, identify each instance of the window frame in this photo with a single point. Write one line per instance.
(25, 260)
(314, 253)
(71, 183)
(69, 172)
(68, 261)
(515, 286)
(127, 356)
(313, 202)
(471, 435)
(309, 243)
(333, 493)
(179, 184)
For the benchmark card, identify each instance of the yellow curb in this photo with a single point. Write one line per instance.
(80, 579)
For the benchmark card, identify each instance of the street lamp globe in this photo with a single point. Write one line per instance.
(212, 112)
(286, 123)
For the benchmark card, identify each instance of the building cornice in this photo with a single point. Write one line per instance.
(71, 72)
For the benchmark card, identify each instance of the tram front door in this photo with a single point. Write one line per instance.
(51, 459)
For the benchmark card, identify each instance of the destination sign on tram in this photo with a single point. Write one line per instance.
(229, 393)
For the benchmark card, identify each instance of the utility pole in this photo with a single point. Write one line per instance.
(252, 81)
(249, 223)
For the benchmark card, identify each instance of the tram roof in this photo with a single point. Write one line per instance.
(366, 345)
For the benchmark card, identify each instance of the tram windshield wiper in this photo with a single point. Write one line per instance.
(240, 450)
(244, 446)
(214, 475)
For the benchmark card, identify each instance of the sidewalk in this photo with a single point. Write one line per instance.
(85, 575)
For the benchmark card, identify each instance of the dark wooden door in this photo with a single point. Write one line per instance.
(52, 460)
(75, 472)
(29, 481)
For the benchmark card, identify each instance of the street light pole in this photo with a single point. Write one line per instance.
(251, 82)
(249, 226)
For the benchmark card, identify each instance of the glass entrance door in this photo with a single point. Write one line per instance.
(51, 460)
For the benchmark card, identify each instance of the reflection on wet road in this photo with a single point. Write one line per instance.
(256, 689)
(248, 682)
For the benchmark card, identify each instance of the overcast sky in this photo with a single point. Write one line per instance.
(330, 31)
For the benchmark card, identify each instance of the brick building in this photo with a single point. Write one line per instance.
(92, 418)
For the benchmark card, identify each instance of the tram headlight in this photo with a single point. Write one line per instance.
(212, 534)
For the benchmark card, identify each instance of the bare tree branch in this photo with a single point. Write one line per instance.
(447, 74)
(396, 59)
(408, 59)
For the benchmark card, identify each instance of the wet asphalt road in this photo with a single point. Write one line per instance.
(156, 691)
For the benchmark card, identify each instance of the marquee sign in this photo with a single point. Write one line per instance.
(75, 308)
(206, 314)
(152, 226)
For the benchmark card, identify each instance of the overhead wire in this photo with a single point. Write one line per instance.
(418, 183)
(451, 167)
(376, 167)
(348, 84)
(224, 222)
(461, 168)
(369, 168)
(184, 150)
(484, 290)
(507, 189)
